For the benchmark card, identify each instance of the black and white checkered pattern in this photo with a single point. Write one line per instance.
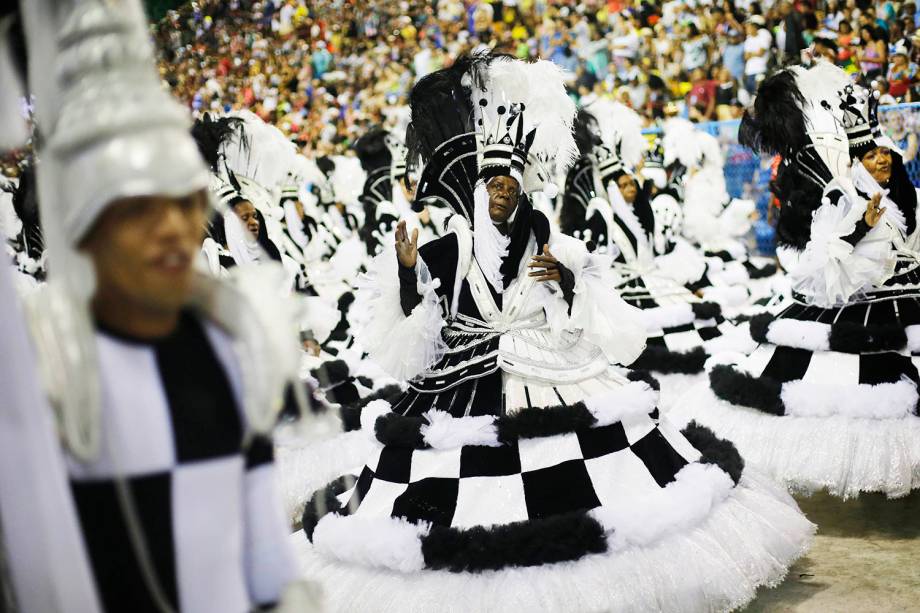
(808, 369)
(688, 336)
(173, 430)
(531, 479)
(679, 348)
(785, 364)
(902, 309)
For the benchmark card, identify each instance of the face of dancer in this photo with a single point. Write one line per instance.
(878, 163)
(142, 250)
(628, 188)
(503, 198)
(247, 214)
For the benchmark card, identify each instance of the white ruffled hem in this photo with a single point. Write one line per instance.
(845, 456)
(675, 385)
(747, 541)
(304, 469)
(638, 520)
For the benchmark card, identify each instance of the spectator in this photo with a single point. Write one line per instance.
(626, 45)
(321, 60)
(845, 42)
(345, 65)
(872, 54)
(881, 86)
(701, 100)
(756, 52)
(792, 27)
(483, 15)
(695, 49)
(727, 104)
(825, 48)
(902, 74)
(733, 54)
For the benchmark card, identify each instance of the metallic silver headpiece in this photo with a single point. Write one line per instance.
(118, 133)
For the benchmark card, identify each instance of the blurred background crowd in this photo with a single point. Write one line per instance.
(324, 71)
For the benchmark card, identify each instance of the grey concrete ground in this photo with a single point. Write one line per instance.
(866, 558)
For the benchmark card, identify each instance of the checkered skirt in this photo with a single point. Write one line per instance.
(855, 353)
(828, 400)
(543, 485)
(680, 346)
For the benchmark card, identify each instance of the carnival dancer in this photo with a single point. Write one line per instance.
(519, 467)
(713, 221)
(160, 481)
(829, 399)
(651, 255)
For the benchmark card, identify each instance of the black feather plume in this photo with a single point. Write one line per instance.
(777, 125)
(210, 134)
(441, 105)
(372, 150)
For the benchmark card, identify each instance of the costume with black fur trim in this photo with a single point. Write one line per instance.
(711, 220)
(519, 466)
(653, 261)
(829, 399)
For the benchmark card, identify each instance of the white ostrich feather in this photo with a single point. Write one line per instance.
(268, 157)
(540, 87)
(618, 122)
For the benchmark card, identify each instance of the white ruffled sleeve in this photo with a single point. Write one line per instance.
(402, 346)
(597, 309)
(830, 270)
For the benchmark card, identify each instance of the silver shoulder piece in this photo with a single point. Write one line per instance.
(65, 347)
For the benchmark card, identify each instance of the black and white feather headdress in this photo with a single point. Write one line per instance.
(487, 115)
(861, 122)
(798, 114)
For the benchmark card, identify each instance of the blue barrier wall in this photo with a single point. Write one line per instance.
(747, 175)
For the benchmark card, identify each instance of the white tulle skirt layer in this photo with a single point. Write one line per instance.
(747, 541)
(674, 386)
(304, 468)
(842, 455)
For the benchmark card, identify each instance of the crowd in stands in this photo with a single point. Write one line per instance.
(323, 71)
